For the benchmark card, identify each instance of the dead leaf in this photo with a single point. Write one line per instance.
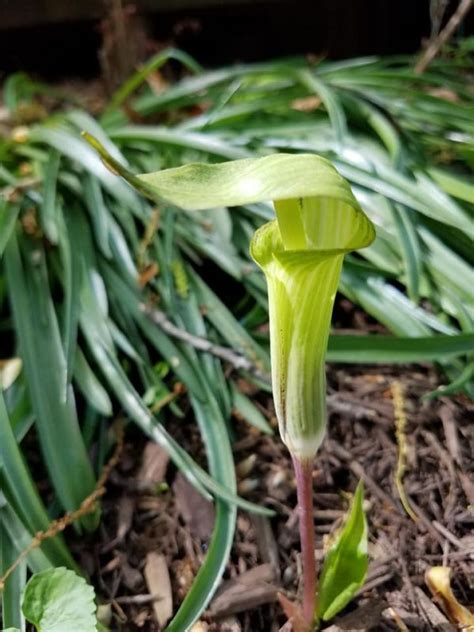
(148, 273)
(248, 590)
(184, 573)
(9, 370)
(266, 542)
(104, 614)
(131, 577)
(157, 82)
(125, 516)
(154, 464)
(306, 104)
(294, 613)
(433, 615)
(196, 511)
(126, 508)
(158, 582)
(438, 581)
(445, 94)
(230, 624)
(450, 427)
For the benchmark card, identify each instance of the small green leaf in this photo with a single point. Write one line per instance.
(57, 600)
(398, 349)
(345, 566)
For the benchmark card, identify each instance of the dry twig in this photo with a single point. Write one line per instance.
(438, 42)
(237, 360)
(400, 426)
(87, 506)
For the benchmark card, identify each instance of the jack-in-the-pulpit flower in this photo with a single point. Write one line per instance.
(301, 254)
(318, 220)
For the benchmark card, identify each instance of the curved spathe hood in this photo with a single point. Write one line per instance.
(301, 254)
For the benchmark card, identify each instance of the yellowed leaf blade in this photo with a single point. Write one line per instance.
(9, 370)
(438, 580)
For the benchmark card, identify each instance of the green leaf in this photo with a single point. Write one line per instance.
(221, 317)
(71, 279)
(90, 386)
(72, 146)
(57, 600)
(249, 411)
(414, 195)
(410, 248)
(206, 143)
(346, 562)
(331, 103)
(454, 184)
(8, 216)
(392, 349)
(10, 596)
(18, 486)
(45, 369)
(99, 213)
(48, 209)
(125, 90)
(21, 539)
(96, 330)
(212, 424)
(213, 429)
(388, 305)
(133, 404)
(465, 379)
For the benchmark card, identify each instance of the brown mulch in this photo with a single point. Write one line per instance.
(151, 509)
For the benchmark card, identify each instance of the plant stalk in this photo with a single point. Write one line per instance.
(304, 489)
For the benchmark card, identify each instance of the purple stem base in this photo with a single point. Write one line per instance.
(304, 488)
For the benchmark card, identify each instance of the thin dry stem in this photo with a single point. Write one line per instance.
(400, 426)
(438, 42)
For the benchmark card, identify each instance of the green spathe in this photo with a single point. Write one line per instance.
(301, 254)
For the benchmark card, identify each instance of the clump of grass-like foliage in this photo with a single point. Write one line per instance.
(85, 262)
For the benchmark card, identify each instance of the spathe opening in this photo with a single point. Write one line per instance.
(321, 223)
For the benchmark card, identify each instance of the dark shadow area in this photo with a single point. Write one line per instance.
(54, 47)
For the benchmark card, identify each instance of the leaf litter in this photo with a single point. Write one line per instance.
(265, 559)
